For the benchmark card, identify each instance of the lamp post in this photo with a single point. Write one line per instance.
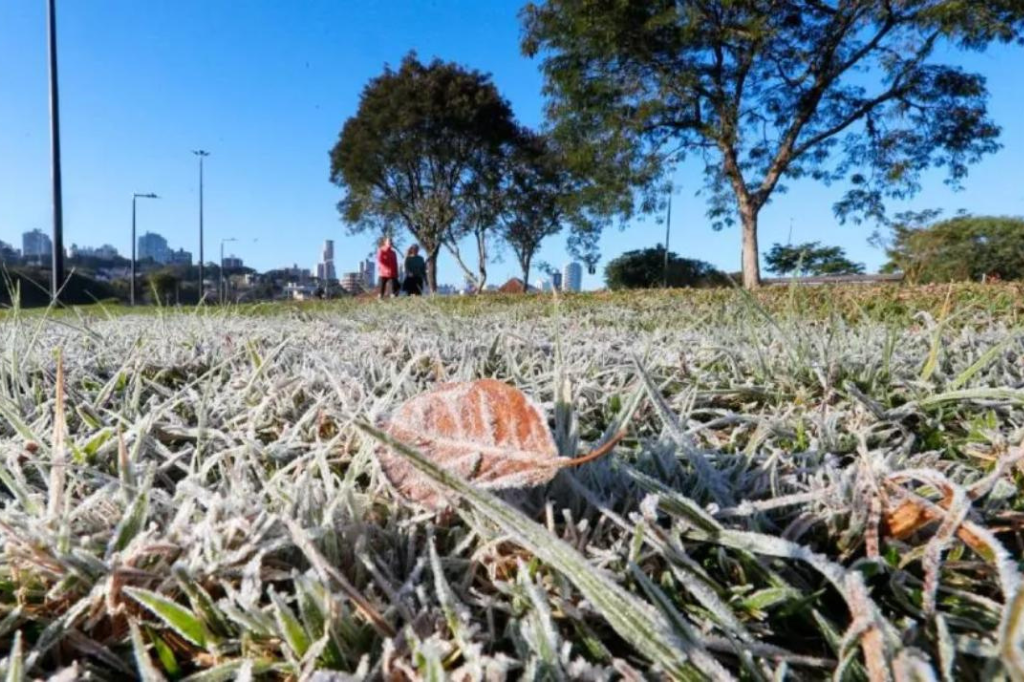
(57, 264)
(221, 287)
(201, 153)
(668, 228)
(132, 283)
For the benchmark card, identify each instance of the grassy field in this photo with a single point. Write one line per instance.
(815, 483)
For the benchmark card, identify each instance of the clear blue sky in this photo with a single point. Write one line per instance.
(266, 85)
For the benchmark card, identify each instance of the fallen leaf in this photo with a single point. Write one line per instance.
(483, 431)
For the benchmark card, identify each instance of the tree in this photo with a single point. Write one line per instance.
(478, 218)
(764, 92)
(531, 208)
(163, 284)
(421, 136)
(811, 259)
(645, 269)
(960, 248)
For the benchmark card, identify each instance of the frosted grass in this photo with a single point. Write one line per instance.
(190, 494)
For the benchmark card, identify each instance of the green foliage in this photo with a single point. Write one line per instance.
(762, 93)
(811, 259)
(958, 249)
(531, 204)
(645, 269)
(163, 285)
(425, 137)
(33, 285)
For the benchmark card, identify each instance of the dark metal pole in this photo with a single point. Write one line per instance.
(57, 265)
(200, 226)
(132, 281)
(201, 153)
(668, 227)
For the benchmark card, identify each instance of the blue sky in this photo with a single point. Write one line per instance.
(266, 86)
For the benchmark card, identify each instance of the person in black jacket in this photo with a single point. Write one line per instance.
(415, 271)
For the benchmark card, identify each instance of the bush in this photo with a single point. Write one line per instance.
(645, 269)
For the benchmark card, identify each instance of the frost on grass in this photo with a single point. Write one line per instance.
(797, 496)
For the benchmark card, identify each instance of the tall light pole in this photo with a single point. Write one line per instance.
(201, 153)
(57, 264)
(132, 284)
(221, 286)
(668, 228)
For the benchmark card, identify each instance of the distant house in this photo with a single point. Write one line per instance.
(514, 286)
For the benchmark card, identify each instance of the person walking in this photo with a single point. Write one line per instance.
(387, 268)
(415, 271)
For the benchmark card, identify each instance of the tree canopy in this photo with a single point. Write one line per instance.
(957, 249)
(763, 93)
(531, 204)
(422, 138)
(645, 269)
(810, 258)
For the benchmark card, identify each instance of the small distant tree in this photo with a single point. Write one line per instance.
(645, 269)
(163, 284)
(957, 249)
(416, 149)
(812, 259)
(531, 201)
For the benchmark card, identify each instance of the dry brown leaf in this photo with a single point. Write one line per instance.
(484, 431)
(909, 516)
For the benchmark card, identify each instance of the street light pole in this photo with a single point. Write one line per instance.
(668, 227)
(57, 264)
(201, 153)
(131, 286)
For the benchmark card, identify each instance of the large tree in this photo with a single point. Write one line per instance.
(765, 91)
(961, 248)
(810, 258)
(414, 149)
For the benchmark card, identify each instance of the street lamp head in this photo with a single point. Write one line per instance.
(145, 196)
(200, 152)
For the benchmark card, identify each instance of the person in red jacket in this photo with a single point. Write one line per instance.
(387, 267)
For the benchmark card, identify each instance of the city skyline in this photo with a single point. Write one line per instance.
(192, 85)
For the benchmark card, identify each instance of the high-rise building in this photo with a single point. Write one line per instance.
(233, 263)
(8, 252)
(295, 274)
(180, 257)
(152, 246)
(572, 277)
(36, 244)
(368, 269)
(325, 268)
(353, 282)
(105, 252)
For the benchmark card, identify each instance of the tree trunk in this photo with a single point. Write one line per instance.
(751, 262)
(432, 271)
(481, 252)
(526, 275)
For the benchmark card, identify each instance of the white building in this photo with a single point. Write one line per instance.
(572, 277)
(153, 246)
(325, 268)
(36, 244)
(352, 282)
